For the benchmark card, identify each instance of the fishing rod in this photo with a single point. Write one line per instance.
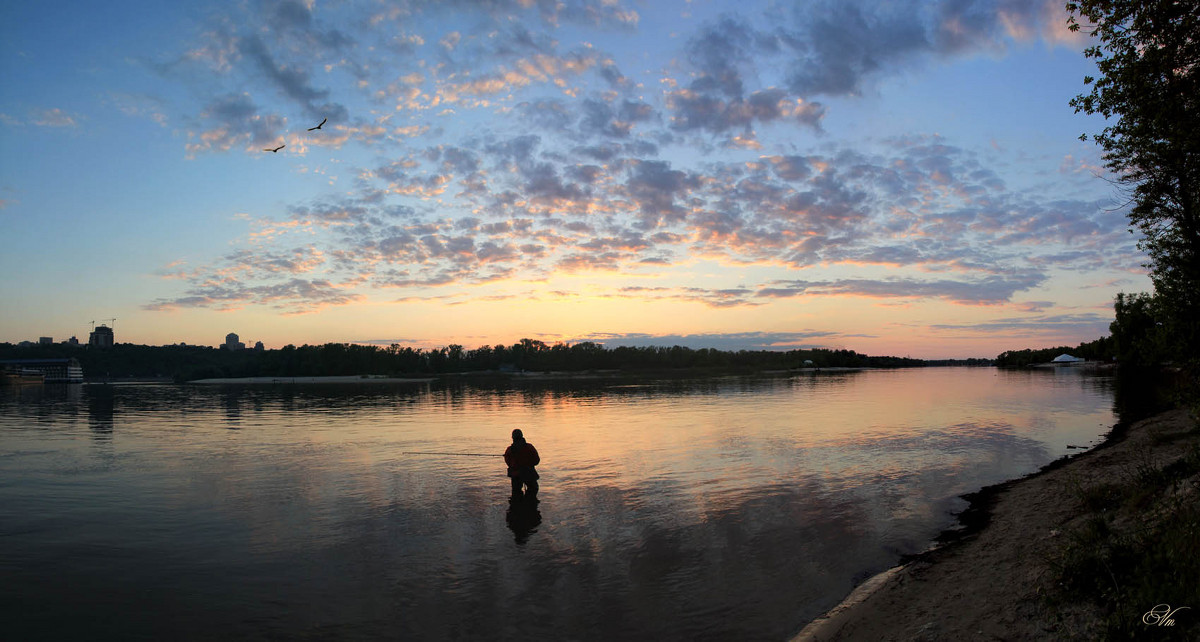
(450, 454)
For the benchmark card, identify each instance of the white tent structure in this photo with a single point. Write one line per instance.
(1065, 359)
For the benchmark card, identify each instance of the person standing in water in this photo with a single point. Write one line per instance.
(521, 458)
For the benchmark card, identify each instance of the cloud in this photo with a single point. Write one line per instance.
(1033, 306)
(716, 298)
(140, 105)
(304, 54)
(931, 215)
(384, 342)
(291, 80)
(234, 120)
(54, 117)
(781, 341)
(257, 262)
(1057, 325)
(237, 56)
(836, 45)
(600, 118)
(217, 50)
(297, 17)
(758, 68)
(293, 296)
(697, 110)
(521, 73)
(834, 48)
(596, 13)
(1072, 165)
(981, 291)
(349, 211)
(656, 188)
(577, 167)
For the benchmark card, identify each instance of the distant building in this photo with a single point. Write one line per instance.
(101, 337)
(46, 341)
(259, 346)
(73, 342)
(232, 343)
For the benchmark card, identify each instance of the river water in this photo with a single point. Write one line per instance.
(729, 508)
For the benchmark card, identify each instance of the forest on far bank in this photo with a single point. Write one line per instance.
(187, 363)
(1102, 349)
(1139, 338)
(1143, 334)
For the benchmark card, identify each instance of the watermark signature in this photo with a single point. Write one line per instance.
(1162, 615)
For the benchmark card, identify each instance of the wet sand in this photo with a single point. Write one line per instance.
(988, 583)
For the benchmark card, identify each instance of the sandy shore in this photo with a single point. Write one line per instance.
(988, 584)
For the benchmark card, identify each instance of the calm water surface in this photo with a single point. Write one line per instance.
(723, 508)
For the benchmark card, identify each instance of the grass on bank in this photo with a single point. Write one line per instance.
(1136, 548)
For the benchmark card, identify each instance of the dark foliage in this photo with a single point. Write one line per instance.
(184, 363)
(1148, 55)
(1139, 335)
(1098, 350)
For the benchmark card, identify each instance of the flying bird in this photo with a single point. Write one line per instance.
(268, 149)
(318, 126)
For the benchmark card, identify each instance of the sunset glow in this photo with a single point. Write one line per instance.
(897, 178)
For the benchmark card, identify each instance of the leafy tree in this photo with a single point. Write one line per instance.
(1138, 331)
(1148, 56)
(1097, 350)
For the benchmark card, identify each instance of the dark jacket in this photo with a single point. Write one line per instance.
(521, 458)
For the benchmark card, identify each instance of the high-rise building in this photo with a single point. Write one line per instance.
(46, 341)
(232, 343)
(101, 337)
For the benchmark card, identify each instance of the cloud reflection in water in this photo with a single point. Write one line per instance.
(670, 510)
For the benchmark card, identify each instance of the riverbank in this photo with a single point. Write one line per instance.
(550, 375)
(1022, 569)
(358, 379)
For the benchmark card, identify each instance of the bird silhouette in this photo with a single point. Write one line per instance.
(268, 149)
(318, 126)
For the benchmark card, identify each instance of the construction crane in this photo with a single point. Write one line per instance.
(111, 323)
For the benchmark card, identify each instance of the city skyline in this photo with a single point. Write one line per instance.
(900, 178)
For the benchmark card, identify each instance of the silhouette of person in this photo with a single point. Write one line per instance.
(521, 458)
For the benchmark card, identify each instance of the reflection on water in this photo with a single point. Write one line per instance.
(523, 518)
(735, 507)
(100, 410)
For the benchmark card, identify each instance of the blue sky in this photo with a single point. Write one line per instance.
(892, 177)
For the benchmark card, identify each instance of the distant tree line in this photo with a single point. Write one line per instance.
(1144, 334)
(1099, 350)
(185, 363)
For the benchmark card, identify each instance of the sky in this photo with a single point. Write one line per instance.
(892, 177)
